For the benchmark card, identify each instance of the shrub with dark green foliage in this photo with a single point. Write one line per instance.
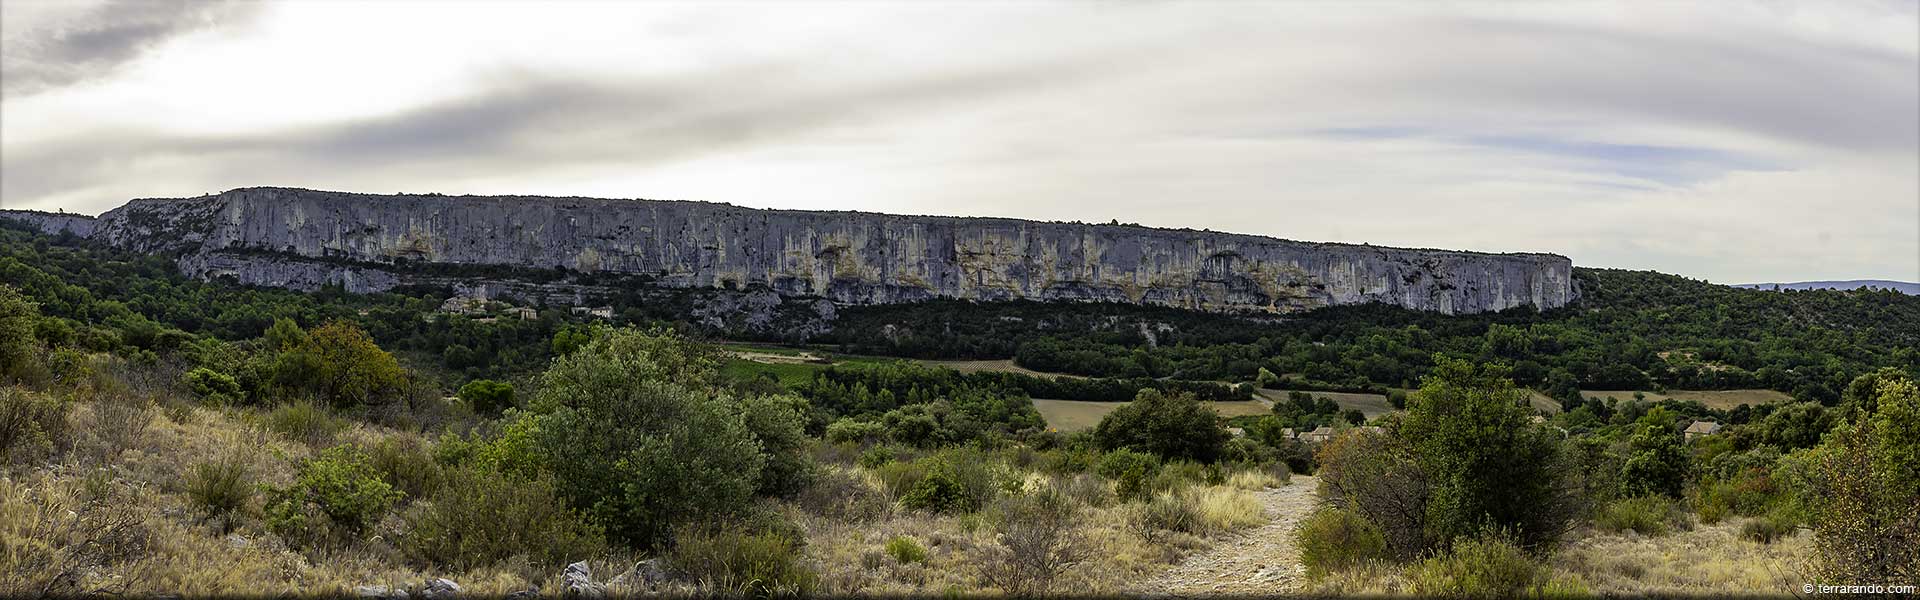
(214, 386)
(1132, 472)
(638, 437)
(18, 316)
(778, 424)
(1332, 540)
(1657, 461)
(486, 396)
(1484, 463)
(485, 516)
(336, 496)
(751, 564)
(938, 491)
(850, 431)
(1176, 426)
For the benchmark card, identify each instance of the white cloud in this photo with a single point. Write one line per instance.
(1733, 141)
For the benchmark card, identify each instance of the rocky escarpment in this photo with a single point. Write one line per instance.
(303, 238)
(53, 223)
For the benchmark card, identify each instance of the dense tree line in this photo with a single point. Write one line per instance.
(1630, 330)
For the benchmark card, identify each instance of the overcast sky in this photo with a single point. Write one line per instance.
(1723, 140)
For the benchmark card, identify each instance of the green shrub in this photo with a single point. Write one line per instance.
(1766, 529)
(876, 456)
(1483, 462)
(1131, 472)
(778, 423)
(484, 516)
(1482, 567)
(1332, 540)
(905, 550)
(978, 472)
(1176, 426)
(486, 396)
(221, 487)
(900, 476)
(850, 431)
(1647, 515)
(749, 564)
(214, 386)
(635, 436)
(406, 465)
(32, 426)
(305, 422)
(335, 496)
(938, 492)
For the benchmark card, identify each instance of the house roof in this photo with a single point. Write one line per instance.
(1703, 427)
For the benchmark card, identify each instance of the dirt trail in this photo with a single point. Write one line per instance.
(1256, 561)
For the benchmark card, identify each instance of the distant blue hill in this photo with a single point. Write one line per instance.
(1854, 284)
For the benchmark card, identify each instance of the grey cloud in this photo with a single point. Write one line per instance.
(96, 43)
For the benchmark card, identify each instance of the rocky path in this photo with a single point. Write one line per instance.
(1256, 561)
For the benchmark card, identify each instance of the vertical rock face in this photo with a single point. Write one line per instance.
(293, 237)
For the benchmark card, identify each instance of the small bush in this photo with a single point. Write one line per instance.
(1132, 472)
(406, 465)
(336, 496)
(904, 550)
(899, 477)
(1086, 489)
(843, 495)
(850, 431)
(486, 396)
(120, 423)
(1038, 540)
(484, 517)
(213, 386)
(1165, 512)
(1254, 480)
(1483, 567)
(938, 492)
(1332, 540)
(220, 487)
(1766, 529)
(876, 456)
(1647, 515)
(751, 564)
(32, 426)
(306, 423)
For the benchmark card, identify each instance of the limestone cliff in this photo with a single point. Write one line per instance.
(303, 238)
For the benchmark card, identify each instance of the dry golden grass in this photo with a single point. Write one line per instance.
(133, 478)
(1708, 560)
(1253, 480)
(1226, 508)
